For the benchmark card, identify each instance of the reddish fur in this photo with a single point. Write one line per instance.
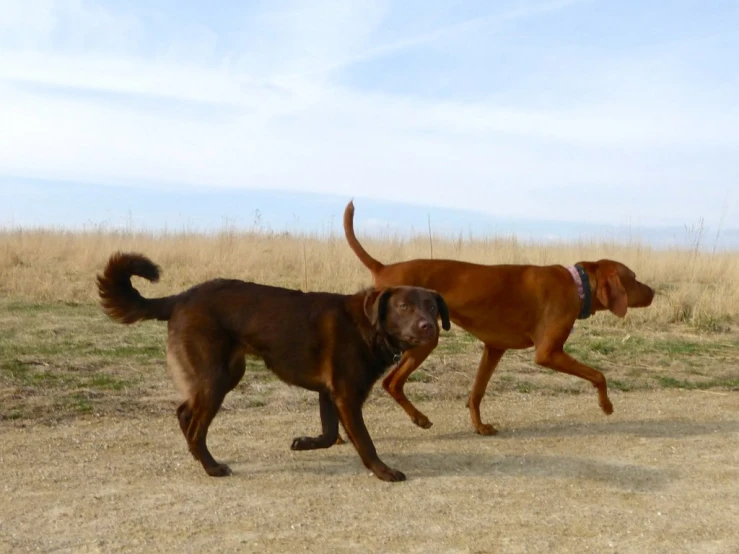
(506, 307)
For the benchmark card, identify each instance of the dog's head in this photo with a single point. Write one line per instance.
(408, 314)
(617, 288)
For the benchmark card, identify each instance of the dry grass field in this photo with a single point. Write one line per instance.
(697, 287)
(92, 459)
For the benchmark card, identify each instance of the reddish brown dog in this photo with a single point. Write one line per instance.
(508, 306)
(337, 345)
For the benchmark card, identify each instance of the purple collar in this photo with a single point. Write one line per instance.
(583, 289)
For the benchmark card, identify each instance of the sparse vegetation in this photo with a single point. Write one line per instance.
(60, 355)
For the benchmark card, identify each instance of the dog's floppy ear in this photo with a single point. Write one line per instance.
(375, 306)
(612, 294)
(443, 312)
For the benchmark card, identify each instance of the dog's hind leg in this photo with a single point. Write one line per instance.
(488, 363)
(209, 399)
(205, 404)
(236, 370)
(184, 416)
(329, 427)
(182, 377)
(204, 378)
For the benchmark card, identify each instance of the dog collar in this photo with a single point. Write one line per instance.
(394, 351)
(583, 289)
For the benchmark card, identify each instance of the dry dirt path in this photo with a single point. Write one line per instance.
(660, 475)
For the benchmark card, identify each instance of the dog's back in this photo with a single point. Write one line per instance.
(285, 328)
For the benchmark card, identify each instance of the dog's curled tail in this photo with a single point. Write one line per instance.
(120, 300)
(372, 264)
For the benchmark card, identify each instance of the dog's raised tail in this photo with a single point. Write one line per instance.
(120, 300)
(372, 264)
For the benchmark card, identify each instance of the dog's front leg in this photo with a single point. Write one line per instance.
(329, 424)
(395, 381)
(350, 413)
(558, 360)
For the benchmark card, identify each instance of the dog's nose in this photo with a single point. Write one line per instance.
(425, 325)
(651, 295)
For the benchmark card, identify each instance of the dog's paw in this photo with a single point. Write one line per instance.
(312, 443)
(218, 470)
(486, 429)
(303, 443)
(422, 421)
(389, 474)
(606, 406)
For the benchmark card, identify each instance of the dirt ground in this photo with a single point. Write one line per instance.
(659, 475)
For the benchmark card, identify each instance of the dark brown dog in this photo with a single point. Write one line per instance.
(337, 345)
(508, 306)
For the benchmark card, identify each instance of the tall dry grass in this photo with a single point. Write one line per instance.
(695, 287)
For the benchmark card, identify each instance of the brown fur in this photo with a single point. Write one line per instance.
(336, 345)
(505, 306)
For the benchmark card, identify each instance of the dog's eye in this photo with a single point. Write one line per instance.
(432, 308)
(403, 306)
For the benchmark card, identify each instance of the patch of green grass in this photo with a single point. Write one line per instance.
(15, 370)
(104, 381)
(420, 376)
(81, 404)
(603, 343)
(578, 350)
(671, 382)
(618, 384)
(730, 383)
(31, 309)
(685, 348)
(614, 344)
(602, 346)
(33, 374)
(712, 324)
(24, 307)
(71, 359)
(572, 349)
(458, 341)
(674, 383)
(525, 387)
(569, 390)
(130, 351)
(677, 347)
(42, 377)
(50, 379)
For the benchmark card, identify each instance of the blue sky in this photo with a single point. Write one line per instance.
(484, 114)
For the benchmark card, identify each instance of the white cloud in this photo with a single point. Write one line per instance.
(273, 118)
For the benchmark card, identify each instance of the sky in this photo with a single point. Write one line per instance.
(597, 113)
